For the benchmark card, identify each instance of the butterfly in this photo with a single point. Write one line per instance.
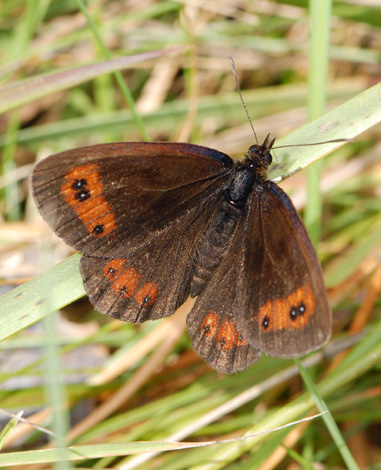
(159, 222)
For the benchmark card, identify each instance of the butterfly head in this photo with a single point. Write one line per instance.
(259, 157)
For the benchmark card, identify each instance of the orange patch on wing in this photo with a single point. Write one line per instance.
(126, 283)
(239, 339)
(79, 172)
(114, 268)
(209, 324)
(291, 312)
(226, 334)
(83, 191)
(147, 294)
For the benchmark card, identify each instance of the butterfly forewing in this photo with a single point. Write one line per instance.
(283, 307)
(109, 205)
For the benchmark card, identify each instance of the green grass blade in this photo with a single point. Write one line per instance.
(26, 304)
(346, 121)
(118, 76)
(320, 18)
(327, 417)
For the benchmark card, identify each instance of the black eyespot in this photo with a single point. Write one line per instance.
(111, 270)
(79, 184)
(301, 309)
(293, 313)
(146, 299)
(206, 328)
(82, 194)
(98, 229)
(222, 342)
(265, 322)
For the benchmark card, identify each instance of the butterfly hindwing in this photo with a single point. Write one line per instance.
(283, 307)
(155, 280)
(212, 320)
(110, 202)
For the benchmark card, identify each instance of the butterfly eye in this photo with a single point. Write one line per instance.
(268, 158)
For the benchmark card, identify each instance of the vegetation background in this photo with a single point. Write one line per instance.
(104, 385)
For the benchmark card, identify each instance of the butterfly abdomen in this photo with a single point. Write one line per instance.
(214, 243)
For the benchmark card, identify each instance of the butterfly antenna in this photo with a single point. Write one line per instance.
(314, 143)
(240, 95)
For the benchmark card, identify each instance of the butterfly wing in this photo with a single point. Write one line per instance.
(212, 320)
(153, 202)
(154, 281)
(282, 308)
(110, 200)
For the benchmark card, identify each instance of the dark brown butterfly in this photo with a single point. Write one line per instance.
(157, 222)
